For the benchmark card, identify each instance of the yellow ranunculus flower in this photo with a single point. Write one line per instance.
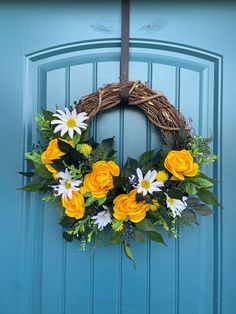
(162, 176)
(100, 180)
(86, 149)
(82, 190)
(51, 153)
(180, 164)
(125, 206)
(74, 206)
(154, 207)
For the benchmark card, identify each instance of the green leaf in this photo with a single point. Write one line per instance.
(64, 147)
(42, 171)
(116, 238)
(67, 221)
(169, 139)
(108, 142)
(101, 200)
(208, 197)
(87, 194)
(139, 197)
(165, 216)
(85, 136)
(68, 237)
(190, 188)
(156, 236)
(202, 175)
(200, 182)
(146, 157)
(192, 201)
(26, 174)
(35, 157)
(138, 235)
(128, 253)
(58, 165)
(32, 187)
(89, 201)
(130, 167)
(118, 181)
(116, 224)
(175, 193)
(182, 136)
(112, 155)
(145, 225)
(203, 209)
(190, 215)
(76, 139)
(48, 115)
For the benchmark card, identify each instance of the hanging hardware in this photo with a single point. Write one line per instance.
(124, 61)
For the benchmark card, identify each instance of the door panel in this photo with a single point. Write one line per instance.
(132, 291)
(59, 53)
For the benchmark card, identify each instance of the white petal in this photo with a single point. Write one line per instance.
(139, 174)
(63, 132)
(74, 113)
(59, 117)
(58, 128)
(153, 189)
(157, 184)
(57, 122)
(140, 190)
(152, 176)
(77, 130)
(147, 176)
(69, 192)
(62, 114)
(76, 182)
(73, 188)
(68, 113)
(144, 192)
(71, 133)
(82, 116)
(81, 125)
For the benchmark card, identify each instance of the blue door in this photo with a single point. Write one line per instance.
(52, 54)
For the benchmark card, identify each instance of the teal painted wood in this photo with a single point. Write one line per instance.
(58, 52)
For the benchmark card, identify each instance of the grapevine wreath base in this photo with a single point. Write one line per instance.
(101, 203)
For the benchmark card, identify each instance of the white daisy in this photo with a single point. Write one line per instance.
(148, 184)
(67, 185)
(102, 219)
(69, 122)
(175, 205)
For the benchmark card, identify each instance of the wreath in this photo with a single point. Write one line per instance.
(101, 203)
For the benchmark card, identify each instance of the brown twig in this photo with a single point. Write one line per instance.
(155, 105)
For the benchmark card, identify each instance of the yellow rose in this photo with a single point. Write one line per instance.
(74, 206)
(180, 163)
(100, 180)
(51, 153)
(125, 206)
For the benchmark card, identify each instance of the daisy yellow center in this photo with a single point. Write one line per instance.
(71, 123)
(162, 176)
(145, 184)
(67, 185)
(171, 201)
